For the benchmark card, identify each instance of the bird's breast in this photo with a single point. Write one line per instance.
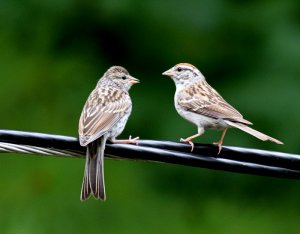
(118, 128)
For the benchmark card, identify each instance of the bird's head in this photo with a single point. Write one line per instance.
(120, 77)
(184, 73)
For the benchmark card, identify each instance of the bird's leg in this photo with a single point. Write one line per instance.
(220, 142)
(189, 139)
(133, 141)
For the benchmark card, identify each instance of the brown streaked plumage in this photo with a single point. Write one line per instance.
(210, 103)
(196, 101)
(103, 117)
(104, 108)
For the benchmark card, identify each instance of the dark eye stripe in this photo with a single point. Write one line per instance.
(179, 69)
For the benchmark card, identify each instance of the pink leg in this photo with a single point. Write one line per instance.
(189, 140)
(129, 141)
(220, 142)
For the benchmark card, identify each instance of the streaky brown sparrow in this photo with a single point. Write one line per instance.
(103, 118)
(196, 101)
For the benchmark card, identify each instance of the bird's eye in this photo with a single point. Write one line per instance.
(123, 77)
(179, 69)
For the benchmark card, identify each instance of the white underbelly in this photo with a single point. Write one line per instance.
(119, 126)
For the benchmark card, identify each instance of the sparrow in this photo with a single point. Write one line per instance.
(196, 101)
(103, 118)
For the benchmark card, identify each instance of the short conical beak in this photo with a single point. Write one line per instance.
(168, 73)
(133, 80)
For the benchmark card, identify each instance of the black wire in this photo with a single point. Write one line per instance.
(233, 159)
(264, 157)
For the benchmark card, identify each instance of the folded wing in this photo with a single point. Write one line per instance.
(203, 99)
(102, 110)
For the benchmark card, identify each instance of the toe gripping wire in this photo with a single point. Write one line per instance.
(232, 159)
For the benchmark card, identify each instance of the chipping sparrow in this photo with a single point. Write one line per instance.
(196, 101)
(103, 117)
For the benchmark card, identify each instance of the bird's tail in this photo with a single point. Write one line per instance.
(93, 180)
(253, 132)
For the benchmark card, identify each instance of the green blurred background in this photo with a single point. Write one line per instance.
(52, 53)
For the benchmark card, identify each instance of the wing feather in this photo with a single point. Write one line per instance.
(201, 98)
(103, 109)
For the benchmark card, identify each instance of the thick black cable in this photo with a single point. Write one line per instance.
(234, 159)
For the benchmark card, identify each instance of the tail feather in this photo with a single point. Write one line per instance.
(99, 191)
(93, 180)
(253, 132)
(86, 189)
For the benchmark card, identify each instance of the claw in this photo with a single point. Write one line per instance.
(188, 141)
(219, 144)
(134, 140)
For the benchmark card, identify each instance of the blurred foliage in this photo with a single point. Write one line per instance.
(54, 51)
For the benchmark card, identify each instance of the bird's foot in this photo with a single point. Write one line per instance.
(188, 140)
(130, 140)
(133, 140)
(219, 144)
